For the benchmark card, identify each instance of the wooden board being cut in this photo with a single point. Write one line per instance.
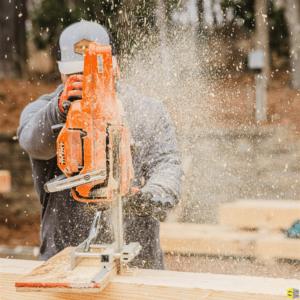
(206, 239)
(152, 284)
(53, 275)
(269, 214)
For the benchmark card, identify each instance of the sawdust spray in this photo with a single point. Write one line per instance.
(178, 71)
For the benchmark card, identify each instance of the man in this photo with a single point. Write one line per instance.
(156, 161)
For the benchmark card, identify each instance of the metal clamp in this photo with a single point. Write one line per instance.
(107, 256)
(130, 251)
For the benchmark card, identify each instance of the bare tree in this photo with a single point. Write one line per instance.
(292, 13)
(13, 14)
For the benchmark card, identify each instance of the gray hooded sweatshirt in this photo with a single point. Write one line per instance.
(156, 169)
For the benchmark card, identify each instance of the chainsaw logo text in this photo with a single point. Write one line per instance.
(293, 293)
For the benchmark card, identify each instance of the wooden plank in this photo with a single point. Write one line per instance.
(269, 214)
(206, 239)
(277, 246)
(53, 275)
(188, 238)
(5, 181)
(153, 284)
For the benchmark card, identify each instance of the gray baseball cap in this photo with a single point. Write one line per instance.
(73, 42)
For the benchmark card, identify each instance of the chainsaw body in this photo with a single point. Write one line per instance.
(93, 147)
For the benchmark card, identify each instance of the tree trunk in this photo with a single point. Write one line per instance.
(208, 17)
(262, 34)
(13, 50)
(292, 13)
(200, 14)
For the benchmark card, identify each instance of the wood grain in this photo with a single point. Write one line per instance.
(54, 275)
(152, 284)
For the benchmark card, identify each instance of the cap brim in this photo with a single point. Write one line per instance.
(70, 67)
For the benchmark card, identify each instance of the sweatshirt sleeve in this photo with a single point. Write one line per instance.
(164, 174)
(34, 133)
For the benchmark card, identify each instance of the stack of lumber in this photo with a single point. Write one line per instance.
(205, 239)
(5, 182)
(144, 284)
(248, 228)
(260, 214)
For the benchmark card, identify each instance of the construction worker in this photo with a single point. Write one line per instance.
(156, 162)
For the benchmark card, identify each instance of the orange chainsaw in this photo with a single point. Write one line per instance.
(93, 146)
(94, 153)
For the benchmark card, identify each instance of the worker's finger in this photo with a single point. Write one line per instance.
(74, 78)
(75, 93)
(77, 85)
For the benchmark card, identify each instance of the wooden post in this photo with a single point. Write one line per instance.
(260, 97)
(5, 181)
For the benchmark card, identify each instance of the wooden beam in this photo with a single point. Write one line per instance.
(152, 284)
(269, 214)
(221, 240)
(5, 181)
(277, 246)
(206, 239)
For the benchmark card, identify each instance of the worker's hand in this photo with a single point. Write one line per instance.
(143, 204)
(139, 205)
(72, 91)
